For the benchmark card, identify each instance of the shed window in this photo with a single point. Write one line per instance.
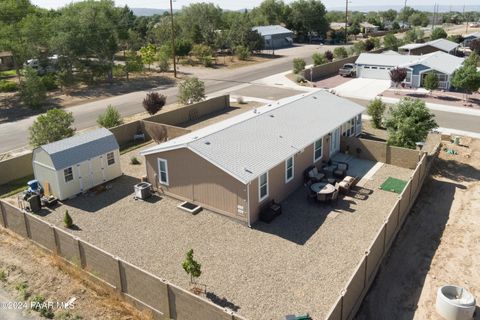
(263, 186)
(110, 158)
(317, 152)
(289, 169)
(68, 174)
(163, 171)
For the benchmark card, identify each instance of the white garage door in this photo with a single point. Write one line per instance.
(373, 72)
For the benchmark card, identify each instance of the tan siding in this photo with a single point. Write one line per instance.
(192, 177)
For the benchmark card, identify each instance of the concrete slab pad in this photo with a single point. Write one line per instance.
(362, 88)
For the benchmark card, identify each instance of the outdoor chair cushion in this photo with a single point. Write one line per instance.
(342, 166)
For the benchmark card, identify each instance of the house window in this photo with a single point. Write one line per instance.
(110, 158)
(263, 186)
(289, 169)
(408, 78)
(163, 171)
(317, 150)
(68, 174)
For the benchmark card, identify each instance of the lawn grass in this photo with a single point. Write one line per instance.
(8, 73)
(393, 185)
(15, 186)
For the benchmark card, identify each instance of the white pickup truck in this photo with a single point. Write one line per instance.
(348, 70)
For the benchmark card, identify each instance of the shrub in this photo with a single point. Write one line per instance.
(8, 86)
(438, 33)
(340, 53)
(118, 71)
(3, 275)
(369, 45)
(67, 220)
(329, 55)
(191, 90)
(300, 79)
(163, 62)
(134, 161)
(375, 109)
(22, 289)
(191, 266)
(52, 126)
(204, 54)
(298, 65)
(154, 102)
(110, 118)
(32, 89)
(318, 59)
(242, 53)
(430, 82)
(38, 305)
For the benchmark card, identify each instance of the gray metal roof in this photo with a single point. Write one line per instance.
(81, 147)
(441, 44)
(271, 30)
(387, 60)
(252, 143)
(440, 61)
(472, 35)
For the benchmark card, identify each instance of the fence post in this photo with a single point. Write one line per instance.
(81, 254)
(121, 274)
(4, 215)
(399, 201)
(385, 226)
(27, 225)
(169, 306)
(55, 237)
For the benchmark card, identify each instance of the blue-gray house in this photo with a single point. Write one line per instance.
(469, 38)
(275, 37)
(378, 66)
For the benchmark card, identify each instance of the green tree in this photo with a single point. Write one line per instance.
(431, 81)
(200, 21)
(183, 47)
(204, 54)
(148, 54)
(389, 15)
(376, 109)
(133, 63)
(191, 90)
(191, 266)
(391, 42)
(438, 33)
(467, 77)
(318, 59)
(52, 126)
(414, 35)
(163, 62)
(32, 89)
(67, 220)
(242, 53)
(405, 14)
(110, 118)
(340, 53)
(308, 17)
(408, 122)
(419, 19)
(298, 65)
(359, 47)
(273, 11)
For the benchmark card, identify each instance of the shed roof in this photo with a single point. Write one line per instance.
(472, 35)
(441, 44)
(271, 30)
(252, 143)
(81, 147)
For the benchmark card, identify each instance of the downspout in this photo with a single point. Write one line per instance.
(248, 205)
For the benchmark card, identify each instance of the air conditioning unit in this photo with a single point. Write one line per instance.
(143, 190)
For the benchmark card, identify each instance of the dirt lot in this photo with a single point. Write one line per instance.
(46, 275)
(297, 264)
(438, 245)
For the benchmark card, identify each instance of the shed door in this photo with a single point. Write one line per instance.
(373, 72)
(84, 175)
(97, 170)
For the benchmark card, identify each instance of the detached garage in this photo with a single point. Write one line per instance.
(378, 66)
(74, 165)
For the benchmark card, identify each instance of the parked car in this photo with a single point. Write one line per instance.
(348, 70)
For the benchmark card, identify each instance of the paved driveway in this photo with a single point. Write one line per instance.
(362, 88)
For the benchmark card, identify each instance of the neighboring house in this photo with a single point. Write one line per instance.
(6, 60)
(444, 45)
(237, 166)
(76, 164)
(468, 38)
(378, 66)
(368, 28)
(337, 26)
(275, 37)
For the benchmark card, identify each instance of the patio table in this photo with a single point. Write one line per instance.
(323, 188)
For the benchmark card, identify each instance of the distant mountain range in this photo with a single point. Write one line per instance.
(150, 12)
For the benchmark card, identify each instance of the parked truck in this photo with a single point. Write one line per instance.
(348, 70)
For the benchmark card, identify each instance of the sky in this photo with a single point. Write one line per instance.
(241, 4)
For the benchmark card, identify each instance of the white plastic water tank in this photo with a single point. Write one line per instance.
(455, 303)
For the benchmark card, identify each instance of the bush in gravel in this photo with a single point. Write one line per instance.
(3, 275)
(154, 102)
(38, 304)
(191, 90)
(22, 289)
(110, 118)
(49, 81)
(163, 62)
(65, 315)
(375, 109)
(340, 53)
(134, 161)
(242, 53)
(191, 266)
(8, 86)
(298, 65)
(67, 220)
(300, 79)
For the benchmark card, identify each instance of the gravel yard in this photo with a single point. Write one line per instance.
(299, 263)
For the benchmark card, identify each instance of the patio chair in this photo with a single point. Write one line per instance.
(334, 197)
(341, 170)
(315, 175)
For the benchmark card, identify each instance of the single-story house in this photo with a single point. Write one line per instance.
(337, 26)
(275, 37)
(378, 66)
(237, 166)
(6, 60)
(468, 38)
(74, 165)
(368, 28)
(444, 45)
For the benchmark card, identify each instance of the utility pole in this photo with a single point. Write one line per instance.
(434, 19)
(404, 9)
(173, 42)
(466, 22)
(346, 21)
